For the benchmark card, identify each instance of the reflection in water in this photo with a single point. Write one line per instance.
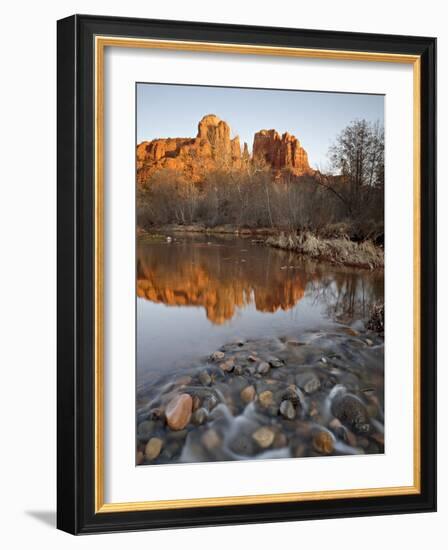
(218, 277)
(222, 276)
(227, 288)
(347, 294)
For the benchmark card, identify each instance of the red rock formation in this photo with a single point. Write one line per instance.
(246, 154)
(213, 149)
(281, 152)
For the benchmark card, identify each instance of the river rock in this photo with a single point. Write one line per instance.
(167, 455)
(372, 410)
(211, 439)
(329, 382)
(238, 370)
(204, 378)
(153, 448)
(298, 449)
(350, 437)
(178, 411)
(287, 410)
(313, 410)
(145, 429)
(264, 437)
(363, 442)
(351, 412)
(237, 383)
(342, 432)
(217, 355)
(275, 362)
(303, 429)
(248, 394)
(378, 437)
(266, 398)
(178, 435)
(196, 402)
(227, 366)
(323, 442)
(139, 458)
(335, 424)
(294, 395)
(218, 377)
(157, 413)
(199, 416)
(309, 382)
(280, 440)
(242, 445)
(173, 448)
(263, 368)
(210, 402)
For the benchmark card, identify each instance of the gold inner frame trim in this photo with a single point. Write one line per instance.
(101, 42)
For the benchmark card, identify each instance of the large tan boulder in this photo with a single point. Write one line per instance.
(178, 412)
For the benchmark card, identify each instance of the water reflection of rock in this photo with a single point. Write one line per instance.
(224, 276)
(217, 277)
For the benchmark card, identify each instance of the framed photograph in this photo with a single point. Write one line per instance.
(246, 274)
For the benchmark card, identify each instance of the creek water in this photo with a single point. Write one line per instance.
(199, 293)
(196, 293)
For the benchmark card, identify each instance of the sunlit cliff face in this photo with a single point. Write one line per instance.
(192, 157)
(217, 278)
(213, 149)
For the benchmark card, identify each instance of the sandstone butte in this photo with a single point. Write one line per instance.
(212, 149)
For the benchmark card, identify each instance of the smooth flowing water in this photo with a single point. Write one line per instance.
(198, 294)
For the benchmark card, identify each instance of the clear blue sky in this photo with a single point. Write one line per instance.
(315, 118)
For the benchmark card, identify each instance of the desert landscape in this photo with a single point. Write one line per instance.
(260, 289)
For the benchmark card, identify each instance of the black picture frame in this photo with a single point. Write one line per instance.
(76, 264)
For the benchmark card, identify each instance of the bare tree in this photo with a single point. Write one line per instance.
(358, 157)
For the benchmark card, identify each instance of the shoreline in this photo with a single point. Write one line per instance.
(337, 251)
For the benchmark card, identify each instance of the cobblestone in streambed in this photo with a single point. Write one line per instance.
(319, 395)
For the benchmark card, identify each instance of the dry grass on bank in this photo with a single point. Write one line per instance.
(339, 251)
